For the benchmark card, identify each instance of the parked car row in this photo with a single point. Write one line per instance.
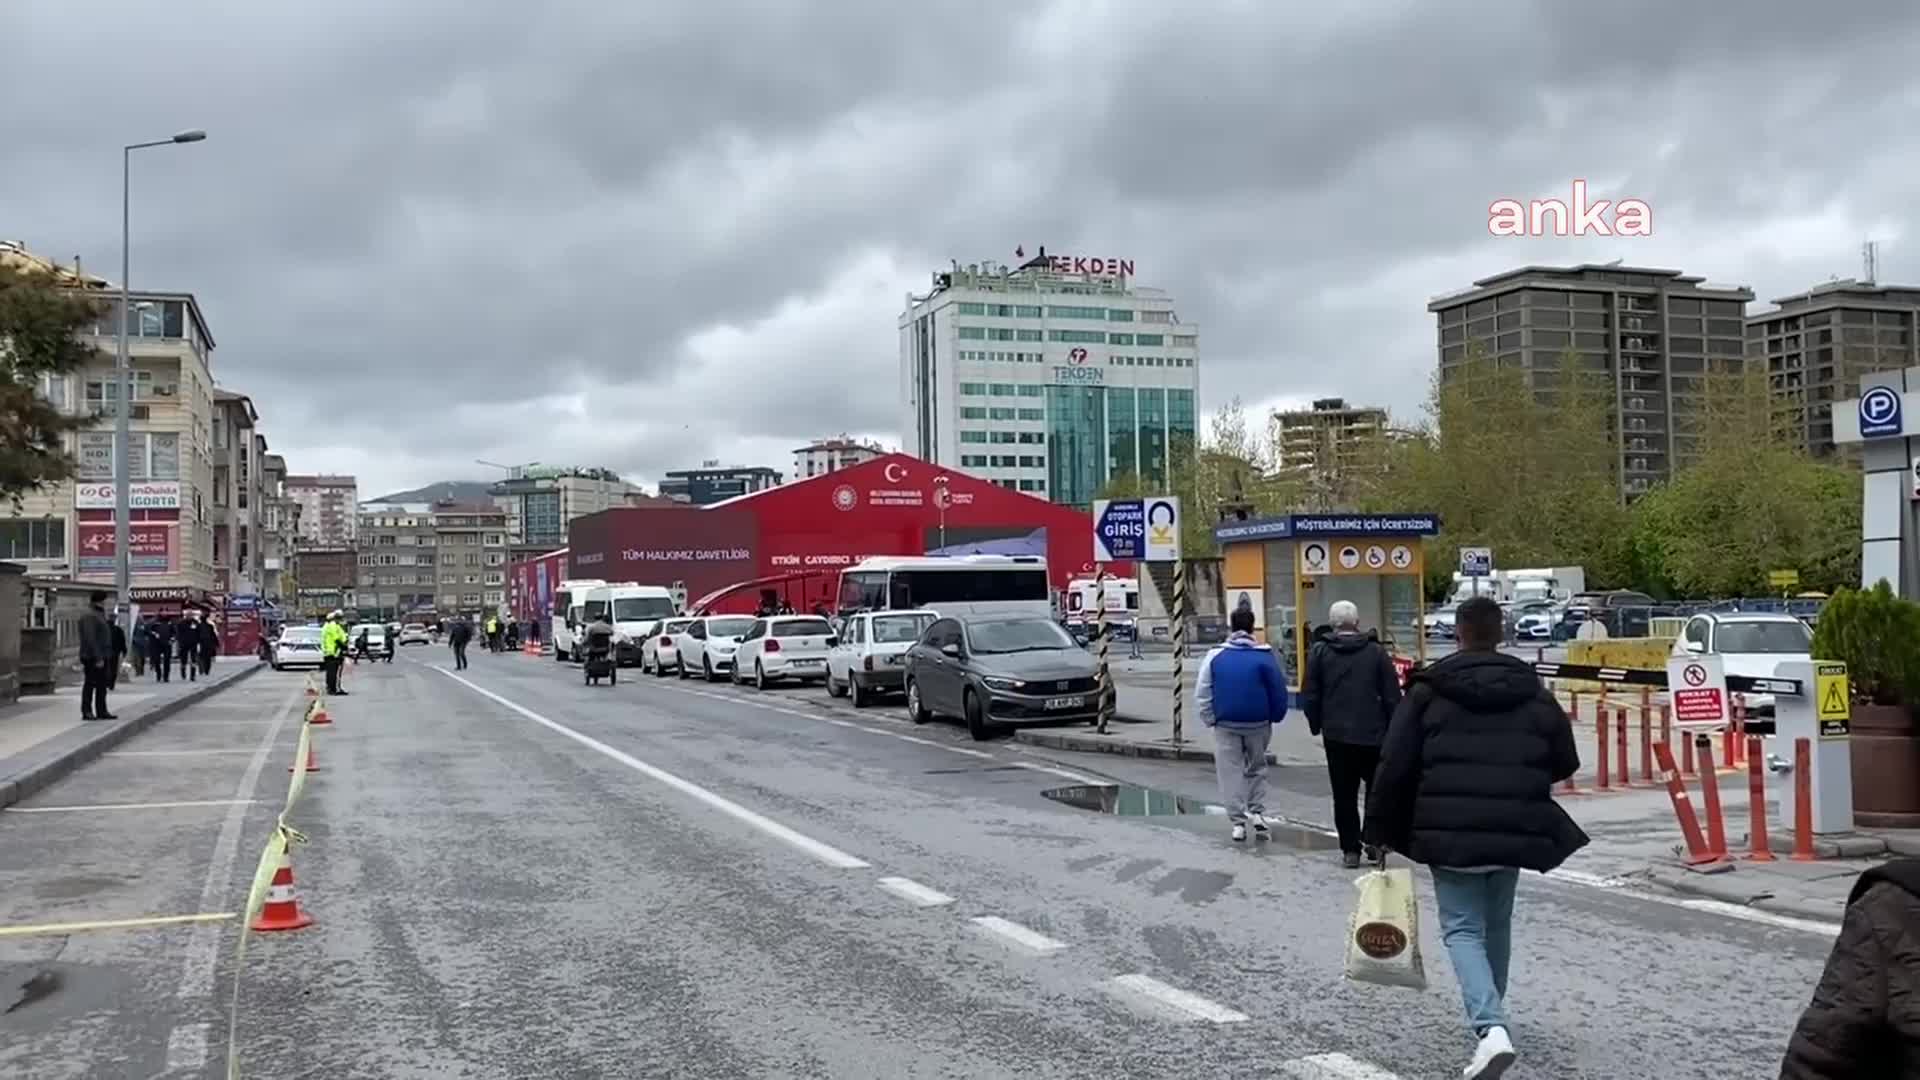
(985, 670)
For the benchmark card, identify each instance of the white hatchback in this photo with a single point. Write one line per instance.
(660, 653)
(870, 658)
(706, 647)
(784, 647)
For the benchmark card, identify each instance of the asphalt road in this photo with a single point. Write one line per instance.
(516, 875)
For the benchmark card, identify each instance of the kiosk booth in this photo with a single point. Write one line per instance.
(1290, 569)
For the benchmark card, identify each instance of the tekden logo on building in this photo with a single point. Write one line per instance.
(1579, 216)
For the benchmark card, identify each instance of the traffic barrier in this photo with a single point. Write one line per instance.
(318, 714)
(1698, 853)
(1803, 801)
(282, 911)
(1710, 796)
(1759, 849)
(1620, 738)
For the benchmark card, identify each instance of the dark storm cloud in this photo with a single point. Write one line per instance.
(648, 234)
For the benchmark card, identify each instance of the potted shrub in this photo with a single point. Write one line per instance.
(1877, 635)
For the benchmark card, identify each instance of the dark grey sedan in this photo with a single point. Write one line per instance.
(1006, 669)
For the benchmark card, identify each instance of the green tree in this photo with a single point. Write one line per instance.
(40, 320)
(1747, 499)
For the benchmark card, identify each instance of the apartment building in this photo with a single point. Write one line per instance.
(398, 569)
(276, 528)
(540, 501)
(829, 455)
(239, 494)
(329, 507)
(713, 482)
(1658, 335)
(68, 530)
(1818, 343)
(1326, 435)
(470, 547)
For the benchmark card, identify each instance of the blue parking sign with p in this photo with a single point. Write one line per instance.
(1880, 412)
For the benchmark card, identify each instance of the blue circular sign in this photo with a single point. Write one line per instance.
(1879, 405)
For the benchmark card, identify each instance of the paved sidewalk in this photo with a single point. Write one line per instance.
(42, 737)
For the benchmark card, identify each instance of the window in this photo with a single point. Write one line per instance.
(1000, 413)
(473, 558)
(1119, 315)
(1057, 312)
(973, 436)
(1028, 461)
(971, 309)
(973, 412)
(1030, 390)
(1030, 485)
(998, 333)
(973, 333)
(1001, 389)
(1087, 337)
(1001, 436)
(1186, 341)
(1026, 335)
(973, 389)
(41, 538)
(1119, 339)
(1150, 339)
(1003, 461)
(1033, 414)
(973, 461)
(1035, 438)
(1156, 316)
(1027, 311)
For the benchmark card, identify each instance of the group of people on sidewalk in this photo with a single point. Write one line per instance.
(190, 640)
(1459, 770)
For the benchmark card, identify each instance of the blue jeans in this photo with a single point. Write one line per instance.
(1476, 922)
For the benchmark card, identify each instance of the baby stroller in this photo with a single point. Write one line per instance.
(599, 664)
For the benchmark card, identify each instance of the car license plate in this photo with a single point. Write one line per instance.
(808, 663)
(1066, 702)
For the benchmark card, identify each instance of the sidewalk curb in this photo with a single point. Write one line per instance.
(61, 755)
(1108, 744)
(1729, 889)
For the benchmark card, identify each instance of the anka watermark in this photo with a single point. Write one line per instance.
(1551, 217)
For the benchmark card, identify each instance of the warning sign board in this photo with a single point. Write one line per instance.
(1698, 686)
(1831, 700)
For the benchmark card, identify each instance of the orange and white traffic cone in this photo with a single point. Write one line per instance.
(282, 909)
(313, 764)
(313, 691)
(319, 714)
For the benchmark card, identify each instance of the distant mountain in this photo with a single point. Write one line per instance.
(466, 491)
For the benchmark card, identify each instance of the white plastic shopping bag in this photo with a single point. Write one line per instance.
(1383, 941)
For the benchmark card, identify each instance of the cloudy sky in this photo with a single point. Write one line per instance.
(648, 233)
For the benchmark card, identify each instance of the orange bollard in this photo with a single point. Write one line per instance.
(1686, 754)
(1710, 796)
(1646, 746)
(1759, 845)
(1803, 801)
(313, 764)
(1604, 780)
(1697, 853)
(1739, 731)
(1620, 737)
(318, 715)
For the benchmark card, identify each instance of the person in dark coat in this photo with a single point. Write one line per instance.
(209, 644)
(142, 643)
(160, 649)
(119, 655)
(1349, 693)
(1861, 1024)
(1465, 786)
(458, 635)
(186, 645)
(97, 659)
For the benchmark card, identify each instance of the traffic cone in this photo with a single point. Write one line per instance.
(313, 765)
(282, 909)
(312, 690)
(319, 714)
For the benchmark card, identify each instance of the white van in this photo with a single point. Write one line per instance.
(569, 603)
(635, 612)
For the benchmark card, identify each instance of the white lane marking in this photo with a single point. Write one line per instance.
(173, 753)
(1078, 778)
(201, 953)
(841, 723)
(1031, 940)
(187, 1046)
(1334, 1067)
(873, 730)
(967, 750)
(826, 853)
(912, 739)
(913, 892)
(1768, 918)
(1192, 1006)
(126, 806)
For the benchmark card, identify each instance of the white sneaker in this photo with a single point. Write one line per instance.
(1259, 823)
(1239, 832)
(1492, 1058)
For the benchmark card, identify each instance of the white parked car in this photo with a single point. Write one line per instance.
(299, 646)
(1749, 643)
(783, 647)
(376, 637)
(706, 647)
(415, 634)
(660, 653)
(870, 658)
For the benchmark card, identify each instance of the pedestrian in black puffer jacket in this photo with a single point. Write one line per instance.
(1465, 786)
(1864, 1022)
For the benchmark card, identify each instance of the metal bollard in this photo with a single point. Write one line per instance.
(1759, 846)
(1620, 735)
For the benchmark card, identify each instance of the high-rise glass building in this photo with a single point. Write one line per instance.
(1050, 378)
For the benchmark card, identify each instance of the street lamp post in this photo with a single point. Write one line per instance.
(123, 378)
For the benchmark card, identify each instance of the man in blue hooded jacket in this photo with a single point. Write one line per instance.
(1241, 694)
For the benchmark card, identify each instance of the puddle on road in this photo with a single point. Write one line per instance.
(1129, 800)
